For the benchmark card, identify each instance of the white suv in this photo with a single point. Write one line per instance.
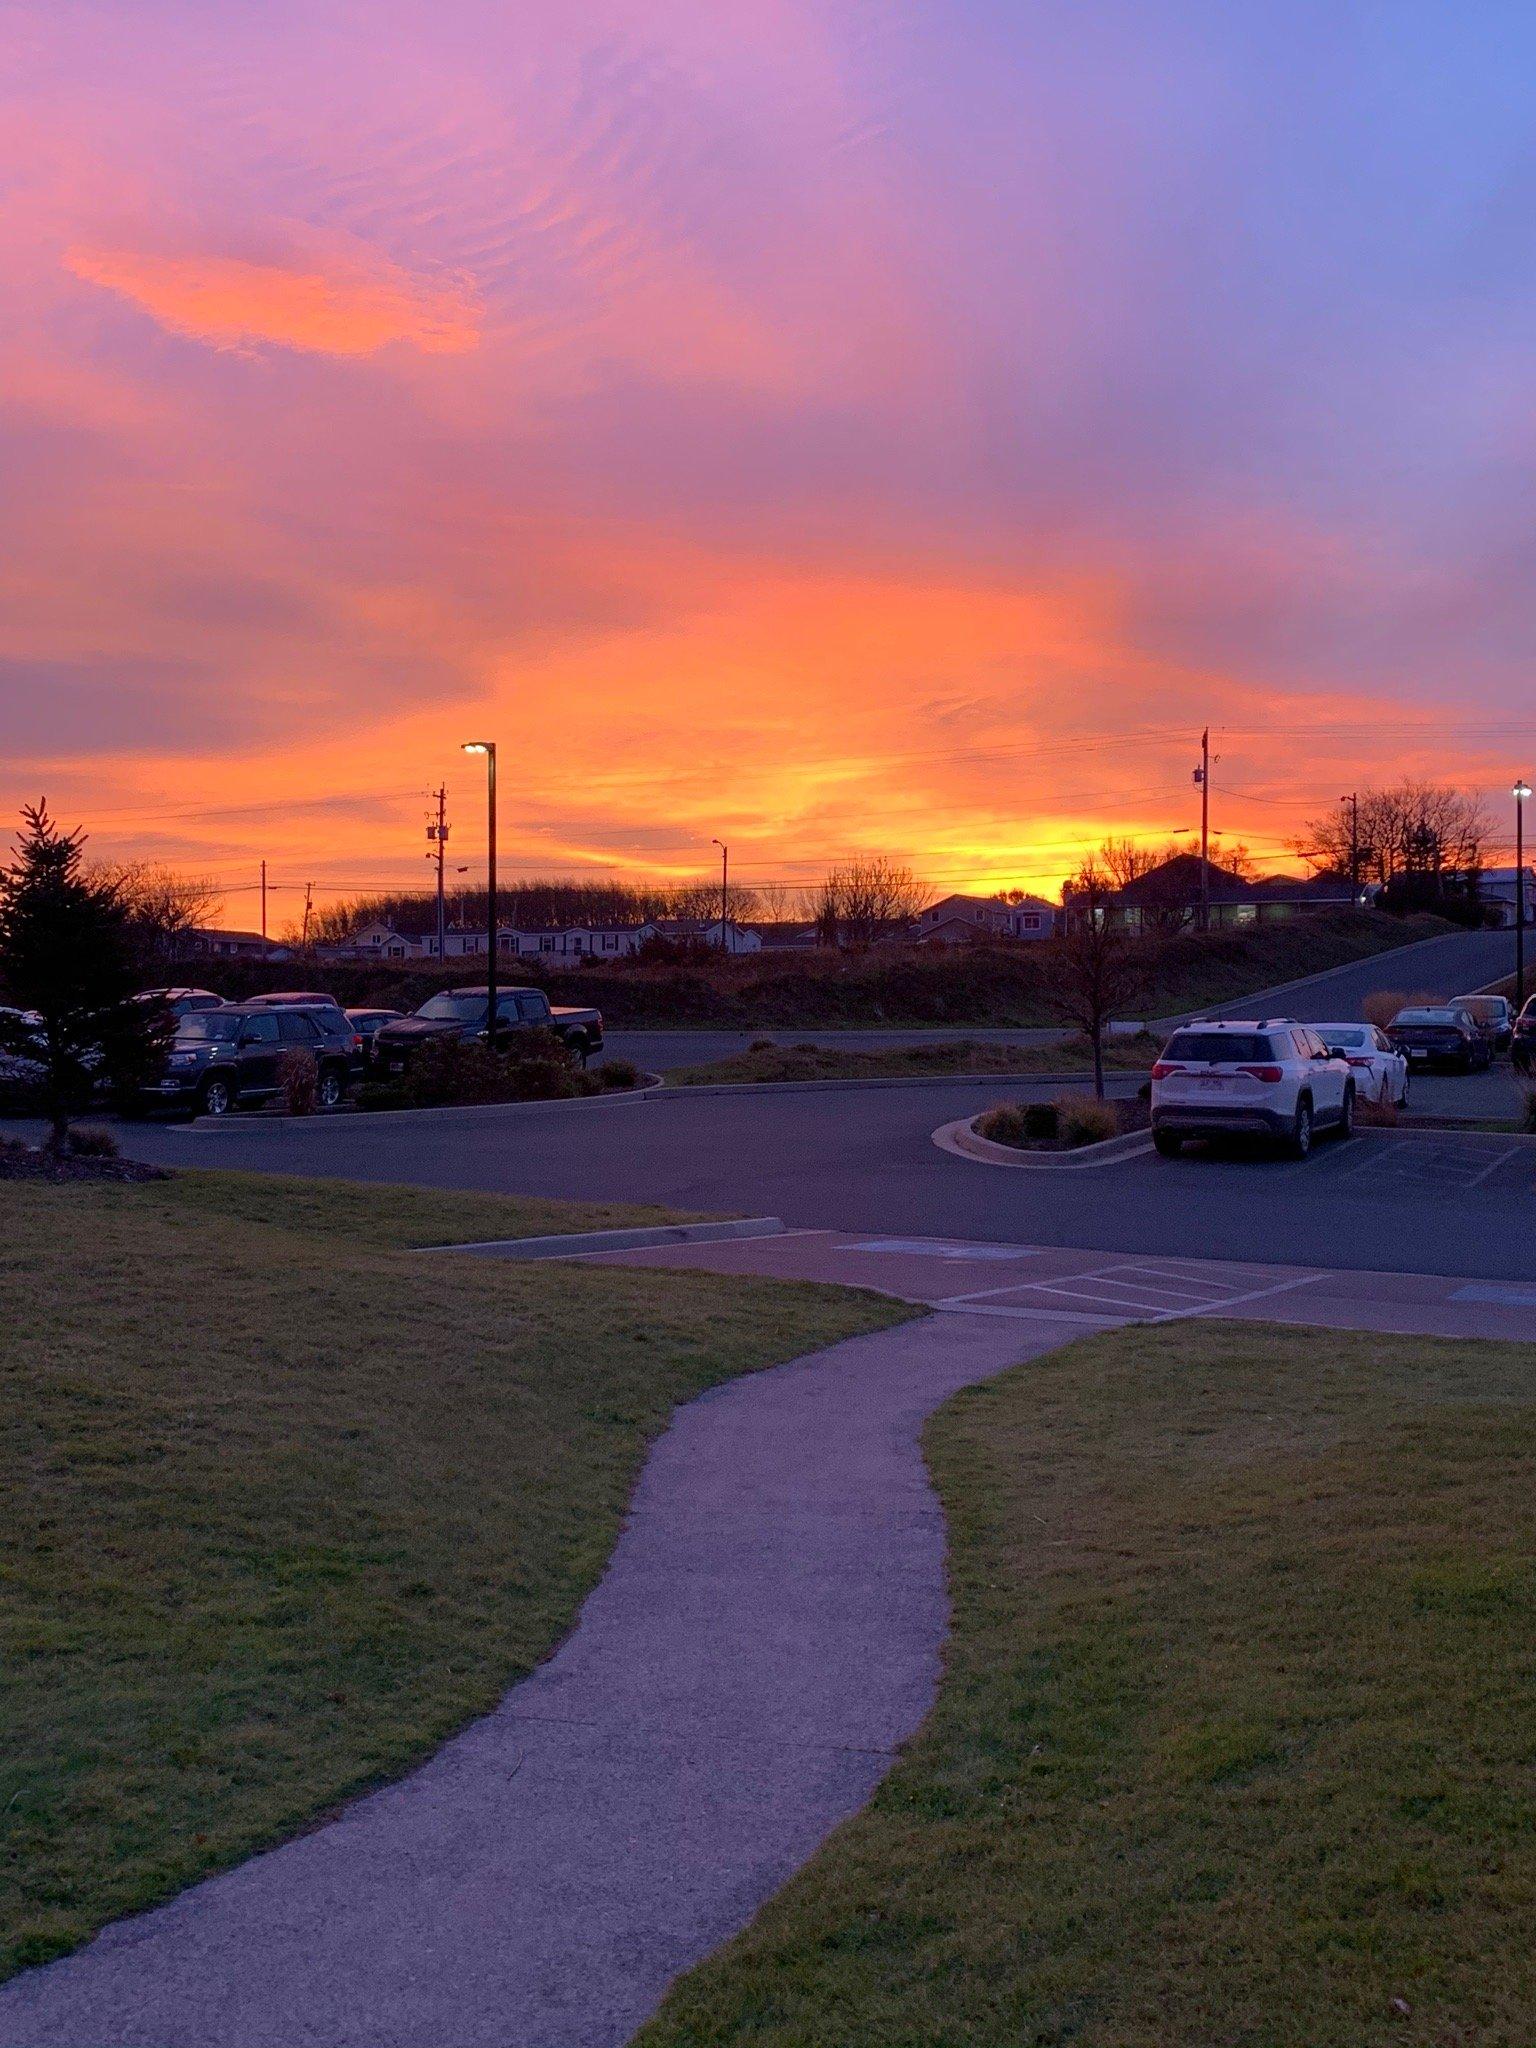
(1275, 1079)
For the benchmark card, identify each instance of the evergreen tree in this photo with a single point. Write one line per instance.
(67, 952)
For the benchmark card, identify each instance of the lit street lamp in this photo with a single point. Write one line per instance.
(488, 748)
(1520, 792)
(725, 898)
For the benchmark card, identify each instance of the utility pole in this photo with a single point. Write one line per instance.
(725, 894)
(1520, 792)
(1353, 800)
(1203, 778)
(309, 897)
(439, 833)
(263, 910)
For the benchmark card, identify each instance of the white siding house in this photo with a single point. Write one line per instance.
(954, 920)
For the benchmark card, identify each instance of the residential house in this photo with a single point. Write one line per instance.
(963, 920)
(701, 931)
(1497, 888)
(232, 945)
(1171, 896)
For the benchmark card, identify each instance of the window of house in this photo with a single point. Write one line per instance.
(547, 943)
(1030, 921)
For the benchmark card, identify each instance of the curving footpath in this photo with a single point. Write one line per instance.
(767, 1633)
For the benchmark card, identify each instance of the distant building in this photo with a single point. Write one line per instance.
(962, 920)
(1170, 896)
(1496, 887)
(700, 931)
(220, 945)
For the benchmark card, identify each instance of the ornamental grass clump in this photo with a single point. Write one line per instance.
(1086, 1120)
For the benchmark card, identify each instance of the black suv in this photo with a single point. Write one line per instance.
(220, 1059)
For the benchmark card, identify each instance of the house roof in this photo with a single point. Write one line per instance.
(1178, 881)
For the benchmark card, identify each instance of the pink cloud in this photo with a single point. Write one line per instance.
(347, 309)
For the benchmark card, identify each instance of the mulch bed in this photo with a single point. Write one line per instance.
(31, 1162)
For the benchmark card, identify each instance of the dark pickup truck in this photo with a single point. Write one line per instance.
(461, 1013)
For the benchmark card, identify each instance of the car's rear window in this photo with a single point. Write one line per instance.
(1212, 1048)
(1482, 1006)
(1425, 1017)
(1342, 1039)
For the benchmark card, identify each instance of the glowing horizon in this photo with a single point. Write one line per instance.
(835, 430)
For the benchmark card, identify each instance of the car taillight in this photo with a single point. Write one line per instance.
(357, 1041)
(1358, 1060)
(1264, 1073)
(1164, 1068)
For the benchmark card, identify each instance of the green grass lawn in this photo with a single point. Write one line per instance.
(283, 1503)
(769, 1063)
(1236, 1742)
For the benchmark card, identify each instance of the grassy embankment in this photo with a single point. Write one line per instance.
(899, 985)
(1234, 1742)
(769, 1063)
(283, 1503)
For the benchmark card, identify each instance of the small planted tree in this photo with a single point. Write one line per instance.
(1094, 972)
(68, 953)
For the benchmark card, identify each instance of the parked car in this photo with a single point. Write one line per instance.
(1440, 1035)
(1274, 1078)
(290, 998)
(367, 1024)
(1381, 1071)
(222, 1058)
(1494, 1016)
(1523, 1045)
(461, 1013)
(181, 1002)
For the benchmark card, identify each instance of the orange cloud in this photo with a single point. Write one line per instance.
(344, 309)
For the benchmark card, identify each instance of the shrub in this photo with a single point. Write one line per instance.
(1084, 1120)
(451, 1072)
(1042, 1121)
(297, 1080)
(90, 1141)
(761, 1045)
(1004, 1125)
(618, 1074)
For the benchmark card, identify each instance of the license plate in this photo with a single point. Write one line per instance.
(397, 1066)
(1213, 1081)
(1414, 1053)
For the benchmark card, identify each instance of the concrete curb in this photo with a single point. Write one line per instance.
(904, 1081)
(591, 1243)
(205, 1126)
(965, 1143)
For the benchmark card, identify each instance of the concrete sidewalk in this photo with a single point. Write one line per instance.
(767, 1633)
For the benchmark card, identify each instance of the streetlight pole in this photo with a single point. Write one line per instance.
(488, 748)
(1520, 792)
(725, 894)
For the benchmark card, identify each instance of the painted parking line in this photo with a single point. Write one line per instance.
(1126, 1292)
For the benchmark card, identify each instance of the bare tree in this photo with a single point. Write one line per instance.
(1123, 860)
(860, 901)
(1413, 828)
(1093, 971)
(163, 908)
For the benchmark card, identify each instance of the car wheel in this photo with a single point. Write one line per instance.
(1168, 1143)
(216, 1097)
(1301, 1131)
(1347, 1115)
(330, 1088)
(576, 1046)
(1402, 1100)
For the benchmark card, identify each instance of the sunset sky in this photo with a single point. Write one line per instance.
(833, 427)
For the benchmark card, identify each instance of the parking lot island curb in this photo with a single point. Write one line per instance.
(587, 1243)
(963, 1139)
